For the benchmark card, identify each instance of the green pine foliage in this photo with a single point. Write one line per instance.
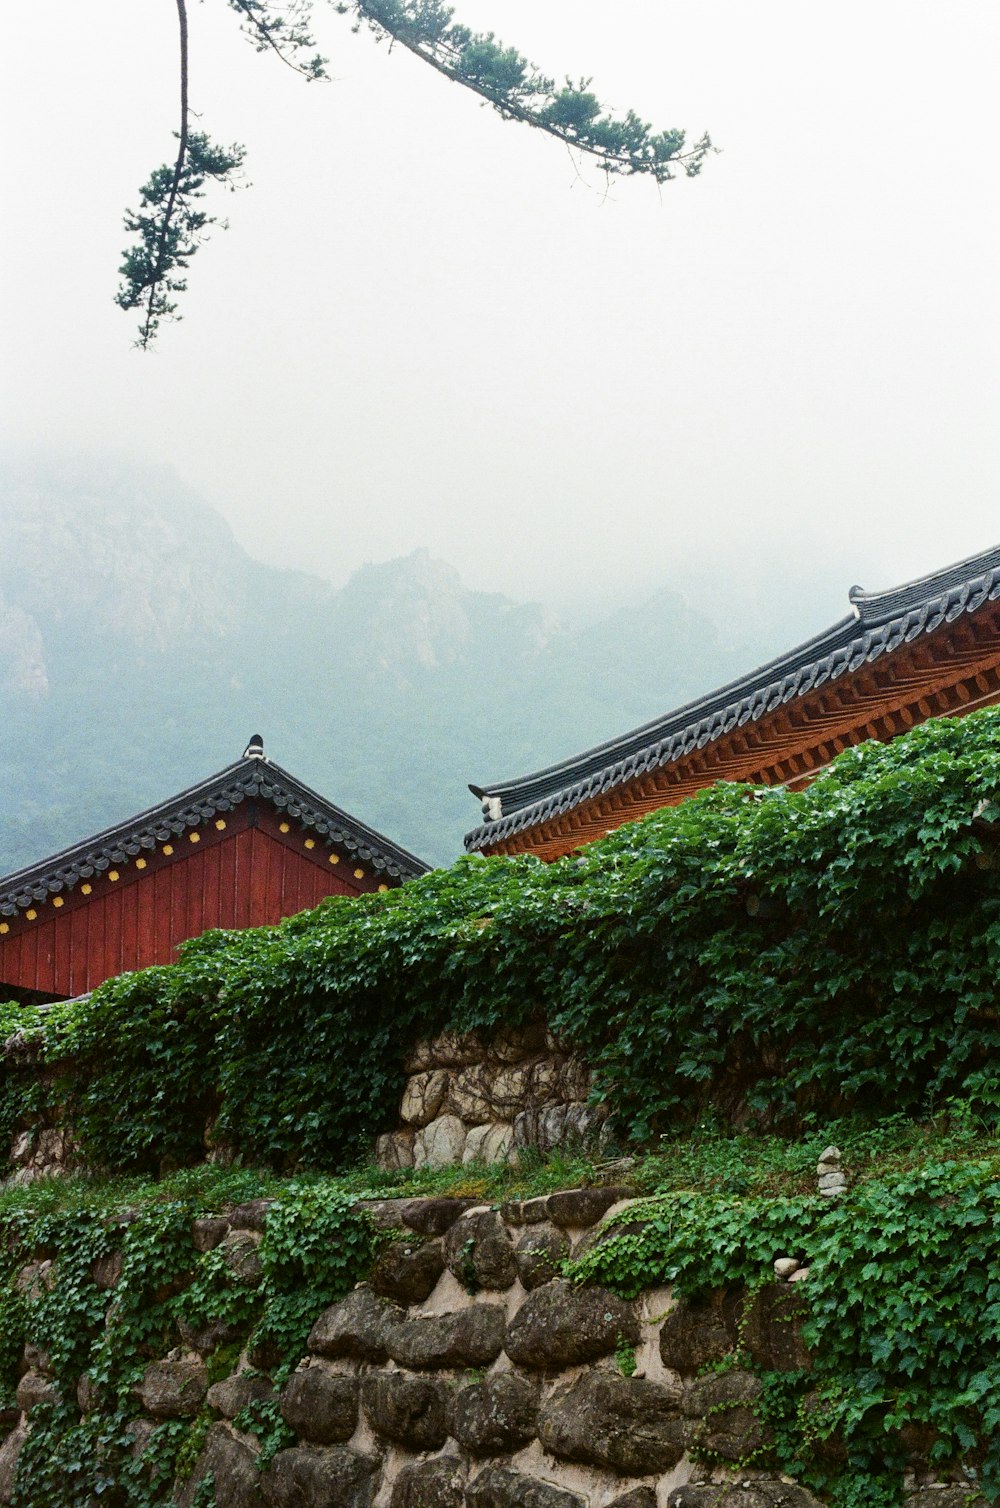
(770, 957)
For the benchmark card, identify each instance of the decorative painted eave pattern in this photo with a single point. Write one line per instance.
(879, 624)
(192, 809)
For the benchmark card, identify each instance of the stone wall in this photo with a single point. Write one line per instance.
(472, 1099)
(467, 1374)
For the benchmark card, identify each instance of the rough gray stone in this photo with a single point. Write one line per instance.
(208, 1231)
(560, 1126)
(35, 1388)
(511, 1044)
(560, 1325)
(500, 1487)
(432, 1217)
(231, 1465)
(231, 1396)
(410, 1411)
(140, 1432)
(575, 1081)
(749, 1494)
(448, 1050)
(355, 1327)
(335, 1477)
(252, 1215)
(240, 1254)
(470, 1337)
(772, 1329)
(174, 1388)
(546, 1083)
(107, 1270)
(724, 1405)
(439, 1144)
(930, 1497)
(623, 1424)
(407, 1271)
(639, 1497)
(384, 1214)
(319, 1407)
(526, 1211)
(35, 1279)
(539, 1255)
(215, 1334)
(498, 1415)
(9, 1452)
(394, 1150)
(430, 1484)
(489, 1144)
(583, 1206)
(512, 1088)
(697, 1332)
(479, 1252)
(470, 1095)
(37, 1359)
(423, 1097)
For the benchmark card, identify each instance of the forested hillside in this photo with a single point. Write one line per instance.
(140, 645)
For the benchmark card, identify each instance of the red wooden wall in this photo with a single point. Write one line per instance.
(248, 877)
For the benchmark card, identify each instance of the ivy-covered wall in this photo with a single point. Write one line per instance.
(577, 1349)
(762, 955)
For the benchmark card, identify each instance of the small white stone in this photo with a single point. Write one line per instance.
(799, 1275)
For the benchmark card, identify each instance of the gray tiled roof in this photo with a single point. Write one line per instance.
(878, 624)
(248, 778)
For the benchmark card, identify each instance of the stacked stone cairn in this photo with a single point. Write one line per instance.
(467, 1373)
(468, 1099)
(832, 1181)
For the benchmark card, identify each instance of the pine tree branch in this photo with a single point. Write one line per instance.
(148, 326)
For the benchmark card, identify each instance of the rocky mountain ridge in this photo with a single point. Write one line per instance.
(140, 644)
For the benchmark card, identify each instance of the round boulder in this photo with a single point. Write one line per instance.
(494, 1417)
(479, 1252)
(560, 1325)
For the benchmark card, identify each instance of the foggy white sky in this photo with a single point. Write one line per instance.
(425, 327)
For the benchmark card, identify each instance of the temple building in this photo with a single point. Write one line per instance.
(244, 848)
(899, 657)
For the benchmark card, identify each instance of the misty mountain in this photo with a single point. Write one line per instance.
(140, 645)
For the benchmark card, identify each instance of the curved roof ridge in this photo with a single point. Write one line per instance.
(879, 606)
(679, 718)
(879, 623)
(248, 777)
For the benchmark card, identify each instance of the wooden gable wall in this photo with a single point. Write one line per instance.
(250, 868)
